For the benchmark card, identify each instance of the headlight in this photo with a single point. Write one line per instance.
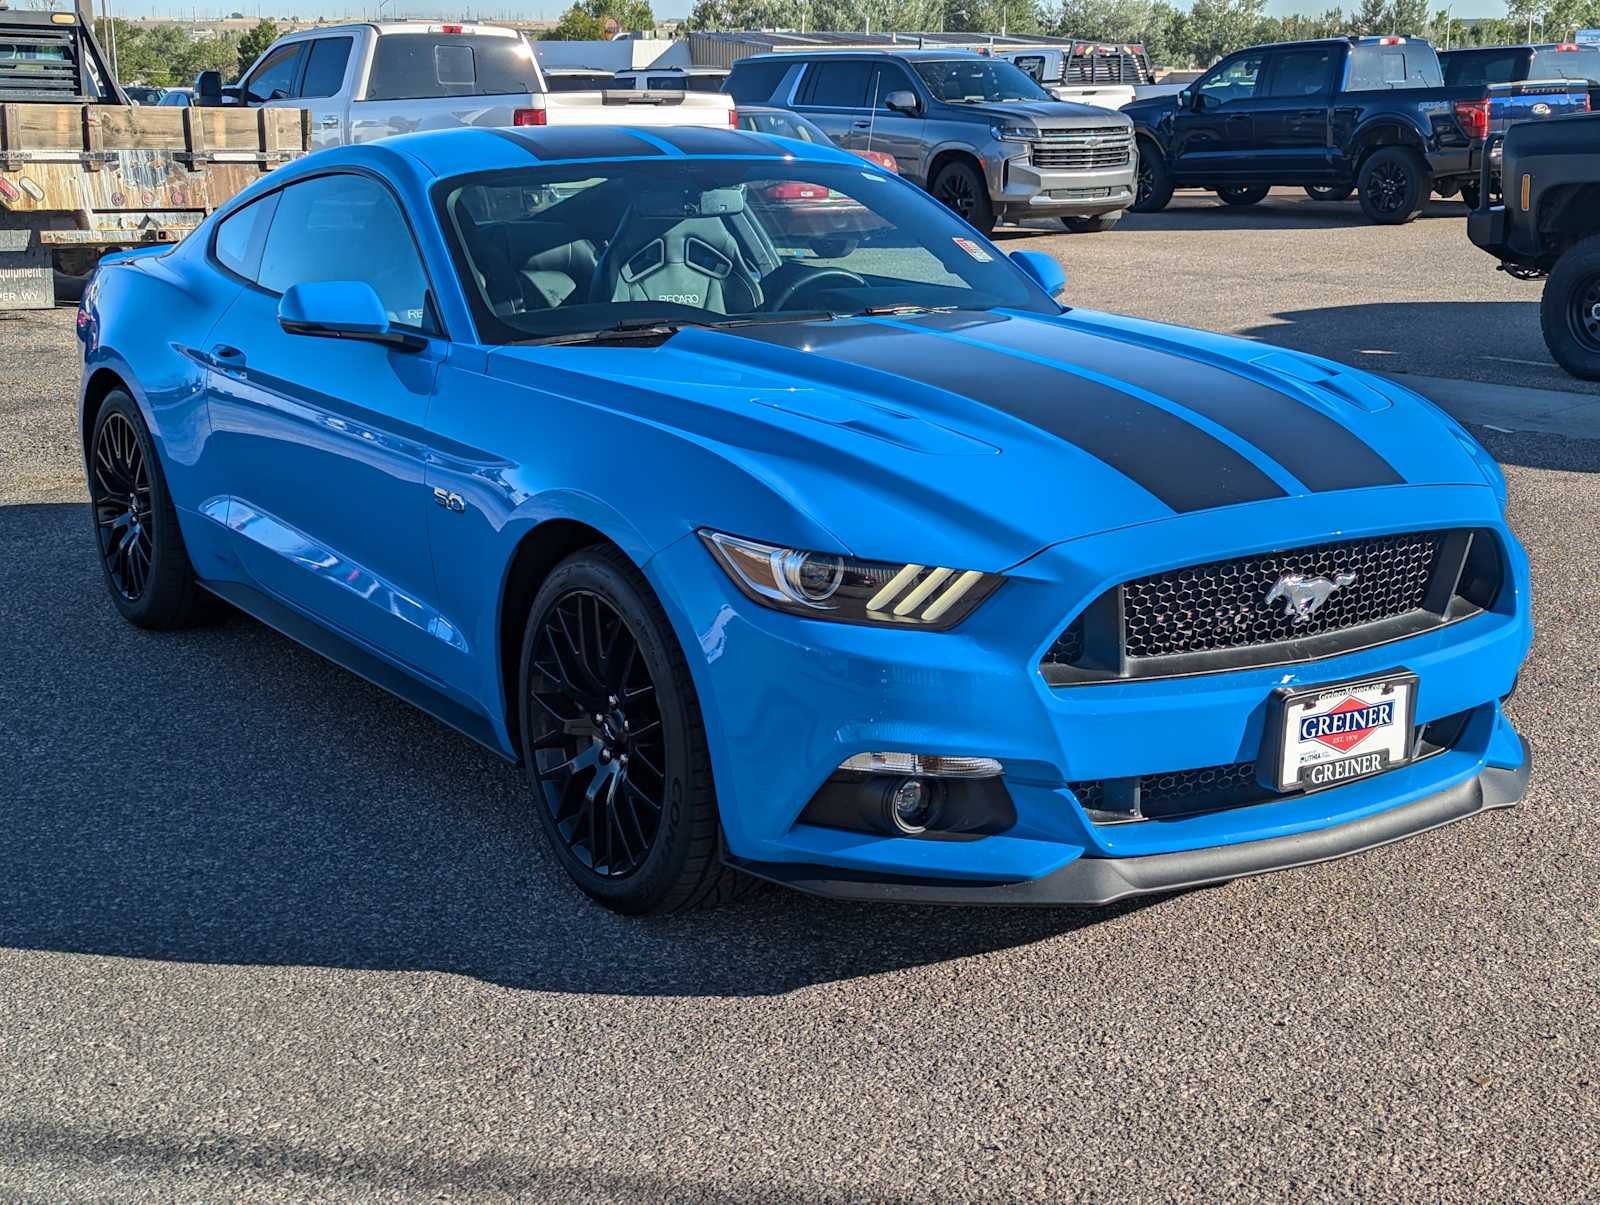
(821, 585)
(1015, 133)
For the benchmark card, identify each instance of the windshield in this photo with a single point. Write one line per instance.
(556, 252)
(970, 81)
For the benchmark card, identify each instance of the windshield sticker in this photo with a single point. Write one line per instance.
(972, 249)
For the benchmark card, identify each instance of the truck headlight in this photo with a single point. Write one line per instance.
(1015, 133)
(823, 585)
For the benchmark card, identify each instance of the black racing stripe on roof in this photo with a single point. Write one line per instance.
(1319, 451)
(553, 144)
(707, 140)
(1175, 461)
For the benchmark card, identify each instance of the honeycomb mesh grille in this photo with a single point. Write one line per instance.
(1223, 604)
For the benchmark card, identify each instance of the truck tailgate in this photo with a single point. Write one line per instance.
(1534, 100)
(620, 107)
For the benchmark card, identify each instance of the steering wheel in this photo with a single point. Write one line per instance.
(810, 278)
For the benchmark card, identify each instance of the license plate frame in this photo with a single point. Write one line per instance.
(1283, 766)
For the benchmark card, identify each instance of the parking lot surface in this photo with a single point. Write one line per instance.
(266, 932)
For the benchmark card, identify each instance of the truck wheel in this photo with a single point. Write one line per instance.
(1329, 192)
(1570, 310)
(1394, 185)
(1098, 224)
(960, 186)
(1242, 194)
(1471, 194)
(1153, 187)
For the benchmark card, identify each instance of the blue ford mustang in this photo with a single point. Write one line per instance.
(781, 525)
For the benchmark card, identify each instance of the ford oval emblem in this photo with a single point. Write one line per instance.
(1541, 110)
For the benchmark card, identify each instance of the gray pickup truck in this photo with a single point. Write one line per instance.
(976, 132)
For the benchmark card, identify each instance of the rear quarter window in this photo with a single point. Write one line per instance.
(424, 66)
(239, 238)
(1409, 65)
(752, 82)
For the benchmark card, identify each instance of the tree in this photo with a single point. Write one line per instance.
(264, 34)
(1371, 18)
(1409, 18)
(596, 20)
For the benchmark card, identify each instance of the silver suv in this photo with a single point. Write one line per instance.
(974, 131)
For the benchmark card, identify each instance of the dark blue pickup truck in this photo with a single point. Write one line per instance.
(1333, 116)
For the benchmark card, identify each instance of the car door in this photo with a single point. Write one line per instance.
(834, 95)
(319, 443)
(1291, 115)
(323, 92)
(903, 135)
(1213, 133)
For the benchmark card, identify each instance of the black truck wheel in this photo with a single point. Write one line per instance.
(1471, 194)
(1153, 187)
(1242, 194)
(1394, 185)
(1570, 310)
(960, 186)
(1329, 192)
(1096, 224)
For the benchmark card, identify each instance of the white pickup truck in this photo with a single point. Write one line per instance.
(360, 82)
(1102, 74)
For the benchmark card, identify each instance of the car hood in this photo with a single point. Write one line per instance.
(1047, 113)
(1009, 432)
(1148, 110)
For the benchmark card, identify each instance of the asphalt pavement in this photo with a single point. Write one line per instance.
(268, 933)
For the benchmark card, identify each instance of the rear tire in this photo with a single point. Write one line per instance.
(1153, 185)
(1242, 194)
(1330, 192)
(1569, 312)
(961, 187)
(1471, 195)
(1394, 185)
(1097, 224)
(143, 559)
(627, 800)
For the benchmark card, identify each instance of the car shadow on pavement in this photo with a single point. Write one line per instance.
(224, 796)
(1199, 211)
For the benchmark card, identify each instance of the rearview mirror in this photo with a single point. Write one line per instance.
(902, 102)
(341, 309)
(1043, 271)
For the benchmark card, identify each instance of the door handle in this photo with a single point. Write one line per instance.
(330, 122)
(227, 355)
(863, 125)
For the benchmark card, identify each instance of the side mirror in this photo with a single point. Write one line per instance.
(1043, 271)
(902, 102)
(341, 309)
(208, 88)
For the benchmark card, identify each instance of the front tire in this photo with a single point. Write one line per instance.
(1242, 194)
(1153, 185)
(1097, 224)
(1569, 312)
(143, 559)
(615, 745)
(1394, 185)
(960, 186)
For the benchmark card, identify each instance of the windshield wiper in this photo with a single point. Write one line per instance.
(894, 311)
(645, 328)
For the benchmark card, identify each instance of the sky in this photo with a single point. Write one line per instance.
(536, 9)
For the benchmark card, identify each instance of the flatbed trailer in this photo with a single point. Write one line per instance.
(82, 172)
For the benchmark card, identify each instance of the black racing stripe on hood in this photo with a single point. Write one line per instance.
(1314, 447)
(554, 144)
(1174, 460)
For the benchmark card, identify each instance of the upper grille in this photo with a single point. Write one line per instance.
(1223, 604)
(1083, 150)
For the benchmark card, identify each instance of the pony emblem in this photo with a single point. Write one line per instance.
(1303, 596)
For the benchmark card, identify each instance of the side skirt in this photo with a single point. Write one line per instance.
(359, 661)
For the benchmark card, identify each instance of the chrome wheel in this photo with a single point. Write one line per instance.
(598, 748)
(120, 494)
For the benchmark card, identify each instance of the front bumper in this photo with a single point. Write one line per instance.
(1092, 882)
(787, 700)
(1020, 190)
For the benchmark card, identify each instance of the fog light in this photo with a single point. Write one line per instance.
(913, 805)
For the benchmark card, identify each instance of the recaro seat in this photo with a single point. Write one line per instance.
(675, 245)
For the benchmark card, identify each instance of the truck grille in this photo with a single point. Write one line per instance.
(1221, 614)
(1083, 150)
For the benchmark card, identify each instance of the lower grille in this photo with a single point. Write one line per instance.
(1175, 793)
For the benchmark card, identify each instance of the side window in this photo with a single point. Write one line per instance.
(237, 243)
(325, 66)
(347, 228)
(274, 79)
(838, 85)
(891, 77)
(1234, 80)
(1300, 73)
(1033, 64)
(755, 82)
(417, 66)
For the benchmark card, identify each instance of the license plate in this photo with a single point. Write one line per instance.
(1330, 735)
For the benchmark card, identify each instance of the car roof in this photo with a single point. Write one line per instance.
(914, 54)
(468, 149)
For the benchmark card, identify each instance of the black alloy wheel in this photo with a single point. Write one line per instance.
(961, 188)
(598, 743)
(1569, 311)
(1144, 183)
(1387, 183)
(957, 192)
(1242, 194)
(1394, 185)
(119, 481)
